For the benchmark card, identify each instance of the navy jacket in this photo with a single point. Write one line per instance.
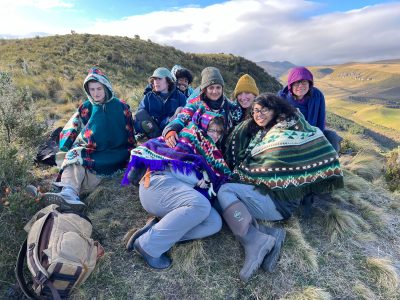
(312, 108)
(160, 109)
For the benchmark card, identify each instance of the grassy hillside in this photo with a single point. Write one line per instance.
(349, 249)
(366, 93)
(54, 67)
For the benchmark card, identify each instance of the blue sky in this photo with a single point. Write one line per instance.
(303, 32)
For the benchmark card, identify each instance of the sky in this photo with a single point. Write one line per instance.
(302, 32)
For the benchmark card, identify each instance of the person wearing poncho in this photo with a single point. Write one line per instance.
(276, 158)
(211, 98)
(95, 142)
(177, 187)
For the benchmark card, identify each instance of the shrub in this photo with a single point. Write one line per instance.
(392, 172)
(18, 116)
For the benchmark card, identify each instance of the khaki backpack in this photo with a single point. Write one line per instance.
(59, 251)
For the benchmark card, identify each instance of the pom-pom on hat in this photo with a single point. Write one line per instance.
(246, 84)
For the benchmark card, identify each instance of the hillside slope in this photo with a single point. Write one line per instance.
(348, 249)
(276, 68)
(366, 93)
(54, 67)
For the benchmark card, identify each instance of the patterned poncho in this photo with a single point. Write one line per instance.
(289, 161)
(194, 152)
(99, 136)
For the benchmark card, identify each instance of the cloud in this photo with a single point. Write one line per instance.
(24, 18)
(271, 30)
(259, 30)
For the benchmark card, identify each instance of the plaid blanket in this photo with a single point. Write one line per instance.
(194, 152)
(289, 161)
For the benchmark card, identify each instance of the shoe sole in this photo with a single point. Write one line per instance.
(138, 233)
(267, 247)
(271, 260)
(57, 199)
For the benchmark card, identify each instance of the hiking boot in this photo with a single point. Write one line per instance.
(271, 259)
(150, 223)
(32, 190)
(66, 199)
(256, 246)
(159, 263)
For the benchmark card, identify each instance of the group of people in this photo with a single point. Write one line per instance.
(205, 158)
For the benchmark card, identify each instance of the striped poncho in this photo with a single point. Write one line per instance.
(194, 152)
(289, 161)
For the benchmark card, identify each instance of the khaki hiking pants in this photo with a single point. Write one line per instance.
(80, 179)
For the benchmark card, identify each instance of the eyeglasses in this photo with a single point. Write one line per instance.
(262, 111)
(300, 82)
(220, 132)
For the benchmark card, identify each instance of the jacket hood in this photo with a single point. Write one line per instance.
(95, 74)
(300, 73)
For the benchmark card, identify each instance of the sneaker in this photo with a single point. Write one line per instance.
(32, 190)
(67, 199)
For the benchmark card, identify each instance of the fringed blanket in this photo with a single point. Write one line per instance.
(194, 152)
(290, 161)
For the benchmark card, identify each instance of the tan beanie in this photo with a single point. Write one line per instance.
(246, 84)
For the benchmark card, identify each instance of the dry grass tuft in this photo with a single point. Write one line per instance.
(189, 256)
(300, 253)
(310, 293)
(384, 274)
(340, 223)
(354, 183)
(102, 194)
(363, 292)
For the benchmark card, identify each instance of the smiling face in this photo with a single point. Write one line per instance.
(300, 88)
(214, 92)
(215, 131)
(262, 115)
(182, 83)
(246, 99)
(97, 91)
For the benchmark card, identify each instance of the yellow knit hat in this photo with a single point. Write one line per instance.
(247, 84)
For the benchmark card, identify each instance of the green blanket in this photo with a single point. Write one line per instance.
(289, 161)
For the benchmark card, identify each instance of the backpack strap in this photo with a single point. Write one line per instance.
(19, 272)
(21, 280)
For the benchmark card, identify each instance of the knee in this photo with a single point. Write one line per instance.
(202, 206)
(215, 221)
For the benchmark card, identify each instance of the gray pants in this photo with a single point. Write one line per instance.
(260, 206)
(186, 214)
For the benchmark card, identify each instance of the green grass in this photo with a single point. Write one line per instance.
(325, 257)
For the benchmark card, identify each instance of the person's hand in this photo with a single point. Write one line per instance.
(203, 183)
(171, 138)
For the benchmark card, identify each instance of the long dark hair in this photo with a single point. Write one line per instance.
(280, 107)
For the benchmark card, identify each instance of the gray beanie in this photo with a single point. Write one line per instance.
(209, 76)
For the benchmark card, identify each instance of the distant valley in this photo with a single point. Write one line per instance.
(367, 93)
(276, 68)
